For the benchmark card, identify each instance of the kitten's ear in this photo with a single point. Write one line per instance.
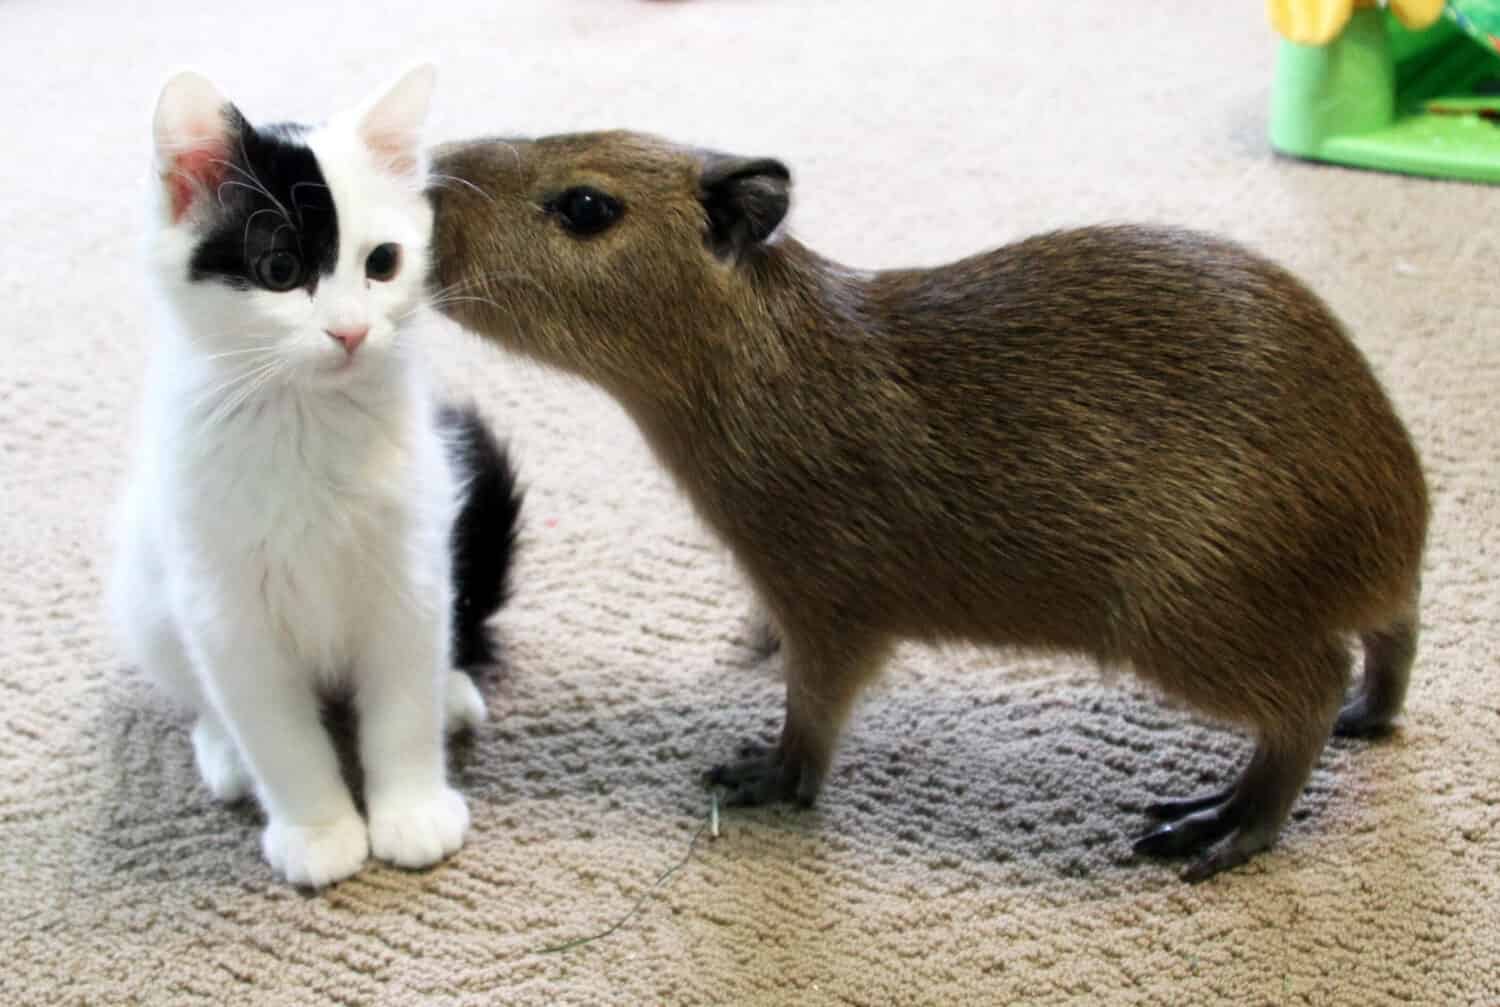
(745, 199)
(194, 128)
(391, 123)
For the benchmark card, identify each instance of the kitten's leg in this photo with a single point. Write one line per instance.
(464, 706)
(218, 759)
(214, 751)
(145, 626)
(401, 693)
(269, 703)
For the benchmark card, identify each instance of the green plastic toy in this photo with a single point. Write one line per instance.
(1381, 96)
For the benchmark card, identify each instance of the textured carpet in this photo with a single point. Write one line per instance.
(973, 846)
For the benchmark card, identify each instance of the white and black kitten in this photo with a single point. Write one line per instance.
(302, 517)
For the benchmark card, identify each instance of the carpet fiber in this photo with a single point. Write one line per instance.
(973, 845)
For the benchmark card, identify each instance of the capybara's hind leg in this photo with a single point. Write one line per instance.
(1389, 653)
(1227, 828)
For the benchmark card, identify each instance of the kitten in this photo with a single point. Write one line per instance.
(298, 497)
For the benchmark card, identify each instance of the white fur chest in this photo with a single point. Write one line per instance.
(310, 516)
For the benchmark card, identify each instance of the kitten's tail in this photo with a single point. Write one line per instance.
(484, 532)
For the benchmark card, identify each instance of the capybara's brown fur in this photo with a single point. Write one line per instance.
(1143, 444)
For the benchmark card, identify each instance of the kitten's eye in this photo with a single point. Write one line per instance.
(585, 211)
(278, 270)
(383, 262)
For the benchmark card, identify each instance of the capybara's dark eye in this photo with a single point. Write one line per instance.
(585, 211)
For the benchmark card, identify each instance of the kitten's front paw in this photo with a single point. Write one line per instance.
(219, 762)
(463, 706)
(316, 855)
(419, 829)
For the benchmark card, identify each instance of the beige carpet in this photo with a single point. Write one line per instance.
(974, 844)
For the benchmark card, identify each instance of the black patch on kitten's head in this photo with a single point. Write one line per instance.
(273, 198)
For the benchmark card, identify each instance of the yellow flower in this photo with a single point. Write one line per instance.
(1318, 22)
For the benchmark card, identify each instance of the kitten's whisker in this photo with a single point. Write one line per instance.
(298, 185)
(442, 301)
(483, 280)
(254, 179)
(215, 393)
(227, 391)
(220, 403)
(404, 316)
(245, 239)
(438, 178)
(248, 390)
(235, 183)
(441, 292)
(459, 298)
(251, 183)
(243, 351)
(455, 287)
(523, 279)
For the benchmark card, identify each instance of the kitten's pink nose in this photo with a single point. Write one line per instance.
(349, 338)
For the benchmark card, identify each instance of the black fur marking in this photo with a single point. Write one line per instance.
(273, 197)
(484, 533)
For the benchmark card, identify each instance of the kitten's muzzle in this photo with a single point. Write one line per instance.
(349, 338)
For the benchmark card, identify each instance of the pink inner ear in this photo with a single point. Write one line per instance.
(193, 173)
(394, 151)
